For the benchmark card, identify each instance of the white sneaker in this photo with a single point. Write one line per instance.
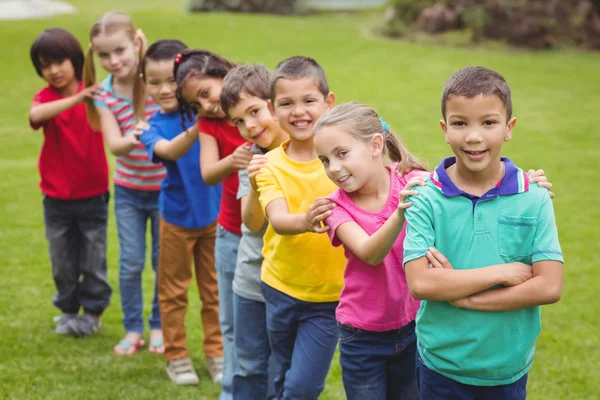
(182, 372)
(215, 368)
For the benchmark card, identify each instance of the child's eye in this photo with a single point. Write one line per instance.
(458, 123)
(324, 160)
(102, 55)
(342, 153)
(205, 94)
(310, 101)
(119, 50)
(254, 112)
(238, 122)
(489, 122)
(284, 104)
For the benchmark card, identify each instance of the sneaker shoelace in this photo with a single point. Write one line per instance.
(182, 367)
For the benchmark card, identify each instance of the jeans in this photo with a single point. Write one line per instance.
(253, 378)
(133, 209)
(303, 337)
(226, 247)
(434, 386)
(379, 365)
(76, 233)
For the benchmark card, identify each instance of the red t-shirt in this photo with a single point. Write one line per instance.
(72, 163)
(228, 139)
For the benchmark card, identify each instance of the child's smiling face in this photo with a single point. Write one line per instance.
(58, 73)
(204, 94)
(117, 53)
(161, 84)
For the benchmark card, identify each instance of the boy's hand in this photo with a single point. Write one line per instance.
(257, 162)
(241, 157)
(516, 273)
(87, 93)
(437, 259)
(540, 178)
(317, 212)
(142, 126)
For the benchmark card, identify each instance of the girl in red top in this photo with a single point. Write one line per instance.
(74, 182)
(199, 75)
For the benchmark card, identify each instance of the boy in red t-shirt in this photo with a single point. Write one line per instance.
(74, 181)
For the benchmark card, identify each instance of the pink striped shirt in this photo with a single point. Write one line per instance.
(134, 170)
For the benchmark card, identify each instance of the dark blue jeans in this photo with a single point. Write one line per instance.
(133, 209)
(379, 365)
(76, 233)
(434, 386)
(253, 377)
(303, 337)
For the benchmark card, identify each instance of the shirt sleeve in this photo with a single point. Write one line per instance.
(338, 216)
(99, 101)
(244, 186)
(545, 242)
(149, 139)
(268, 188)
(206, 126)
(420, 235)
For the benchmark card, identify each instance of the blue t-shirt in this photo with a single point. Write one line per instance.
(185, 200)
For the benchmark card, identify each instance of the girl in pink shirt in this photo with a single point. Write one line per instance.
(376, 312)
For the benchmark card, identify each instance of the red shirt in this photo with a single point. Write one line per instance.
(228, 139)
(72, 163)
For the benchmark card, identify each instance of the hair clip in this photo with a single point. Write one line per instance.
(178, 58)
(384, 125)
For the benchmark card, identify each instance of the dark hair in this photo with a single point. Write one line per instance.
(299, 67)
(57, 44)
(473, 81)
(201, 64)
(253, 80)
(161, 50)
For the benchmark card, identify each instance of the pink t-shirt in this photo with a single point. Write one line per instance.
(374, 298)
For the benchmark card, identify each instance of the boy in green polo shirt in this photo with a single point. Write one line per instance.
(481, 251)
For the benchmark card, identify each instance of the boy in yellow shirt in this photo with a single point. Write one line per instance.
(302, 274)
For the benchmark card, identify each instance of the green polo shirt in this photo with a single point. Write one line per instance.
(512, 222)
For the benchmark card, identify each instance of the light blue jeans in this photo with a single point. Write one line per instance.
(133, 210)
(226, 247)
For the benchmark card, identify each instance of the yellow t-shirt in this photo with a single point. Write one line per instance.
(306, 266)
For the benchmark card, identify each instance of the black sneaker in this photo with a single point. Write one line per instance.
(84, 325)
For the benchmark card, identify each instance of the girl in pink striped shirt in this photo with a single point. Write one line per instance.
(120, 103)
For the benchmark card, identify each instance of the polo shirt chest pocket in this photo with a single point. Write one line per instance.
(515, 237)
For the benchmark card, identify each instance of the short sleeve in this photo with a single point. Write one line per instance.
(420, 235)
(244, 186)
(99, 101)
(208, 127)
(268, 187)
(149, 139)
(545, 243)
(338, 216)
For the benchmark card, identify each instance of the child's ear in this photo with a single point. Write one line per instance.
(509, 131)
(271, 108)
(444, 128)
(330, 100)
(378, 143)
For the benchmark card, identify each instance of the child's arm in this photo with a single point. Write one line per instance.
(175, 148)
(252, 214)
(285, 223)
(373, 249)
(118, 144)
(544, 288)
(41, 113)
(215, 169)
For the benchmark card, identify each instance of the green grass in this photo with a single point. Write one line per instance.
(556, 100)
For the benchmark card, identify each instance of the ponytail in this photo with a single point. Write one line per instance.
(139, 86)
(398, 153)
(89, 79)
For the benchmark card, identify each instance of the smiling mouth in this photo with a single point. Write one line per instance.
(215, 109)
(259, 134)
(343, 178)
(301, 123)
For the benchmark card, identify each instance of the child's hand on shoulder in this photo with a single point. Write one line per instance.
(87, 93)
(241, 157)
(257, 162)
(540, 178)
(407, 191)
(317, 212)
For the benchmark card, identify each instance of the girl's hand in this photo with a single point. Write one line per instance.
(317, 212)
(257, 162)
(540, 178)
(133, 140)
(401, 171)
(437, 259)
(87, 93)
(241, 157)
(404, 193)
(461, 303)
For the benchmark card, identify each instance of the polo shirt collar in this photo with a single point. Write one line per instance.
(515, 180)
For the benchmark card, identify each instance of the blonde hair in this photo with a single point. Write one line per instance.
(362, 122)
(109, 23)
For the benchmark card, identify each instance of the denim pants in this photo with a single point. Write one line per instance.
(133, 209)
(434, 386)
(76, 233)
(379, 365)
(253, 378)
(226, 247)
(303, 336)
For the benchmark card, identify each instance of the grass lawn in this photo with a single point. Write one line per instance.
(556, 100)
